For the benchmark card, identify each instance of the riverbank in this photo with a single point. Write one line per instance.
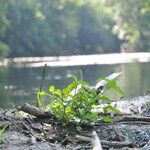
(129, 131)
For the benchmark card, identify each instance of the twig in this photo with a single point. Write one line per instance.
(25, 126)
(135, 122)
(104, 142)
(4, 124)
(43, 77)
(30, 132)
(138, 118)
(41, 85)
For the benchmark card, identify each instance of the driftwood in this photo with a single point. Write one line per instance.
(108, 143)
(100, 85)
(32, 110)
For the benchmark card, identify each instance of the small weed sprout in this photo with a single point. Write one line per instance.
(2, 132)
(76, 101)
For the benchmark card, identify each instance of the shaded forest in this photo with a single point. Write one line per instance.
(70, 27)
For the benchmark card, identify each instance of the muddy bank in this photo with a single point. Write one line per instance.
(18, 141)
(130, 131)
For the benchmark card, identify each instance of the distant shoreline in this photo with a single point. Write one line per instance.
(76, 60)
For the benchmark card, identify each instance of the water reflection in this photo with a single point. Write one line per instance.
(131, 78)
(17, 85)
(4, 90)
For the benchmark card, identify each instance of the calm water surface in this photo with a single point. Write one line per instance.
(17, 85)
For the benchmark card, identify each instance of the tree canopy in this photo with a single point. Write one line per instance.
(67, 27)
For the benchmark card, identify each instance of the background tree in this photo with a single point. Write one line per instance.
(4, 24)
(68, 27)
(132, 23)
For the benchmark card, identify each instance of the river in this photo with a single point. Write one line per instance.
(20, 78)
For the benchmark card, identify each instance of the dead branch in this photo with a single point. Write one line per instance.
(100, 85)
(32, 110)
(135, 122)
(137, 118)
(4, 124)
(41, 85)
(104, 142)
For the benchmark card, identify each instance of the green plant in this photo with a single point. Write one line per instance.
(2, 131)
(76, 101)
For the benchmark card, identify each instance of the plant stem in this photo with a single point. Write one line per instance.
(41, 85)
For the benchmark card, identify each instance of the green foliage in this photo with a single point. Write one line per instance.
(4, 50)
(4, 22)
(49, 27)
(131, 23)
(76, 102)
(66, 27)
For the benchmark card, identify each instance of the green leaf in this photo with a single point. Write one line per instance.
(75, 79)
(48, 107)
(58, 92)
(107, 119)
(2, 131)
(101, 79)
(90, 116)
(107, 108)
(51, 89)
(115, 110)
(86, 84)
(119, 90)
(39, 102)
(69, 110)
(105, 98)
(79, 128)
(42, 93)
(111, 84)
